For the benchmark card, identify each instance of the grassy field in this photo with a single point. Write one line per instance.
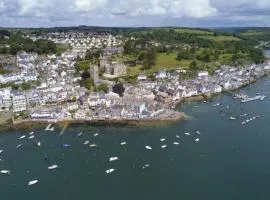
(220, 38)
(164, 61)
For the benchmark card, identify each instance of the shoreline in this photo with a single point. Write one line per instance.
(30, 123)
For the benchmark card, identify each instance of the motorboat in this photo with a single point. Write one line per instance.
(23, 136)
(39, 144)
(198, 132)
(31, 137)
(111, 159)
(177, 136)
(187, 133)
(197, 140)
(232, 118)
(258, 97)
(31, 133)
(93, 145)
(1, 151)
(66, 145)
(163, 146)
(123, 143)
(96, 134)
(148, 147)
(146, 166)
(5, 172)
(108, 171)
(53, 167)
(18, 146)
(33, 182)
(176, 143)
(86, 142)
(162, 139)
(79, 134)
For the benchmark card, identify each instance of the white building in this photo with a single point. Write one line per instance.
(19, 102)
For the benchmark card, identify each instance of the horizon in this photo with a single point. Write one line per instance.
(134, 13)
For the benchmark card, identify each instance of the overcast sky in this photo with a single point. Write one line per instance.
(192, 13)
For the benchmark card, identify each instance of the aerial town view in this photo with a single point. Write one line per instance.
(145, 100)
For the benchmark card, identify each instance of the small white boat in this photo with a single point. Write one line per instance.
(108, 171)
(31, 133)
(247, 120)
(79, 134)
(86, 142)
(198, 132)
(93, 145)
(148, 147)
(146, 166)
(163, 146)
(5, 172)
(23, 136)
(243, 123)
(197, 140)
(96, 134)
(31, 137)
(176, 143)
(177, 136)
(33, 182)
(1, 151)
(187, 133)
(162, 139)
(113, 159)
(53, 167)
(123, 143)
(39, 144)
(18, 146)
(232, 118)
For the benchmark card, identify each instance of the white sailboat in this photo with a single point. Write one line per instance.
(148, 147)
(33, 182)
(53, 167)
(111, 159)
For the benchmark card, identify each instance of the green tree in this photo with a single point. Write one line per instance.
(103, 87)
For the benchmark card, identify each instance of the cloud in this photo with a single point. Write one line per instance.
(89, 5)
(134, 12)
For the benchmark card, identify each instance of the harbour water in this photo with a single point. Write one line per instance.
(230, 160)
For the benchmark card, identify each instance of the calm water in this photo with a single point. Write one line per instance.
(230, 161)
(267, 53)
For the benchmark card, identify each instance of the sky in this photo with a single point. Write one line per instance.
(130, 13)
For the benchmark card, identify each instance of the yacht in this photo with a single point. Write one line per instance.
(232, 118)
(18, 146)
(31, 133)
(96, 134)
(176, 143)
(123, 143)
(177, 136)
(163, 146)
(162, 139)
(197, 140)
(39, 144)
(187, 133)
